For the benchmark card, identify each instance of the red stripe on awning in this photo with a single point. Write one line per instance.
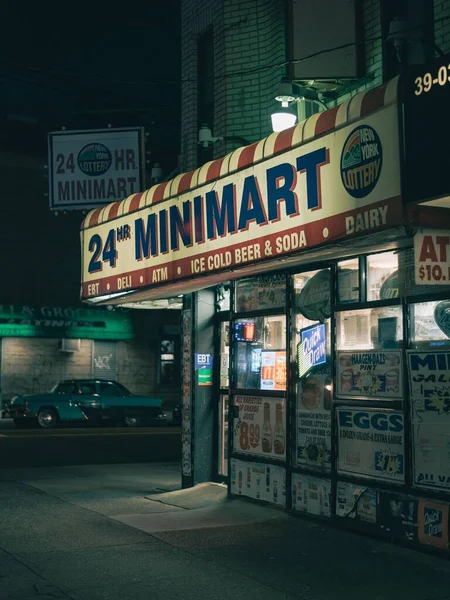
(284, 140)
(159, 192)
(185, 182)
(326, 121)
(114, 209)
(134, 204)
(94, 217)
(214, 169)
(247, 156)
(373, 100)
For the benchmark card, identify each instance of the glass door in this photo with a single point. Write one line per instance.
(223, 366)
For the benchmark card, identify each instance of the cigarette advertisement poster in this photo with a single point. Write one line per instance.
(260, 426)
(369, 374)
(371, 443)
(356, 502)
(429, 379)
(273, 370)
(258, 481)
(311, 495)
(314, 421)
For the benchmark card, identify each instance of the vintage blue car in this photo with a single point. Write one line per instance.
(85, 400)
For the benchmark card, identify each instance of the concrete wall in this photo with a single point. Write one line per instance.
(34, 365)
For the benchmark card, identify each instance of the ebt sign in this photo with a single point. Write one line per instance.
(281, 205)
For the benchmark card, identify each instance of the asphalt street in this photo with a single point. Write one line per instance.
(86, 445)
(124, 532)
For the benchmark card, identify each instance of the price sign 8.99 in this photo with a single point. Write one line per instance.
(432, 257)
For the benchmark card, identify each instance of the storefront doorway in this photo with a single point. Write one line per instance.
(221, 397)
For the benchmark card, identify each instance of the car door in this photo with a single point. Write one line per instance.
(114, 399)
(87, 398)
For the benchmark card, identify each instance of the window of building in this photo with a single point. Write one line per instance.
(370, 328)
(382, 276)
(223, 298)
(430, 324)
(168, 361)
(266, 292)
(348, 281)
(260, 353)
(311, 341)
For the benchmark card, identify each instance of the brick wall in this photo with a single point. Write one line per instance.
(442, 24)
(372, 50)
(196, 16)
(248, 34)
(34, 365)
(255, 40)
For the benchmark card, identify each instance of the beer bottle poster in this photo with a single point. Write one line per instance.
(369, 374)
(314, 421)
(259, 426)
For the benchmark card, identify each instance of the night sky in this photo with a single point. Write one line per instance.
(86, 65)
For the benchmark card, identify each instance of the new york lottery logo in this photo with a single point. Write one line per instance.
(361, 161)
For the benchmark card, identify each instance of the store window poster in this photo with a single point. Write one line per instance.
(433, 523)
(314, 421)
(369, 374)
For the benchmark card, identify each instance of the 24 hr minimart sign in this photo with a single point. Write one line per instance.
(93, 168)
(338, 185)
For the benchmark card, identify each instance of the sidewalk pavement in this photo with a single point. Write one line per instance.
(124, 532)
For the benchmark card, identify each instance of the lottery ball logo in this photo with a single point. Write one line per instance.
(94, 159)
(361, 161)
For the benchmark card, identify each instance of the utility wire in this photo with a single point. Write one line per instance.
(239, 73)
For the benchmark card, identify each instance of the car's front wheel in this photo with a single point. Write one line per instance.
(47, 418)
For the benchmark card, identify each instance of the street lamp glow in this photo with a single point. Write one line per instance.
(282, 120)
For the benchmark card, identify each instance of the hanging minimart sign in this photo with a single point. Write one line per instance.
(342, 184)
(93, 168)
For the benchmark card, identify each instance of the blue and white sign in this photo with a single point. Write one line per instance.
(203, 361)
(361, 161)
(311, 350)
(371, 443)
